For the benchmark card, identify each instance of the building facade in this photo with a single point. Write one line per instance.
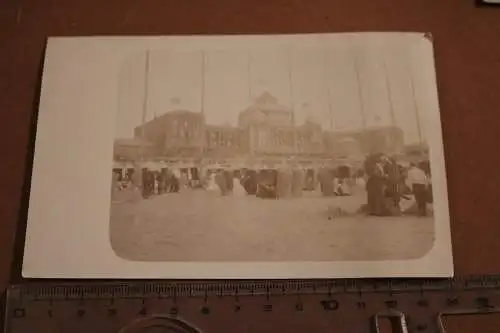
(133, 149)
(178, 132)
(264, 128)
(388, 140)
(223, 141)
(310, 139)
(266, 111)
(153, 131)
(184, 133)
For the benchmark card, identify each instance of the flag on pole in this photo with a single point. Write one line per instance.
(175, 101)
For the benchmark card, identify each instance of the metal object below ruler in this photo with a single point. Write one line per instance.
(351, 306)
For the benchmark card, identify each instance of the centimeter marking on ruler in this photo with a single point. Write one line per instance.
(140, 289)
(461, 295)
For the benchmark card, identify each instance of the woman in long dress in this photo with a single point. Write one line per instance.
(361, 183)
(221, 181)
(238, 189)
(211, 184)
(284, 184)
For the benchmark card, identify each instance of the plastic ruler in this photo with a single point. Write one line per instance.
(351, 306)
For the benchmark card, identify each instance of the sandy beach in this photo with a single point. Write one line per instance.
(204, 226)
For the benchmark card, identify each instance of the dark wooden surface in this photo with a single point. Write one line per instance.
(467, 48)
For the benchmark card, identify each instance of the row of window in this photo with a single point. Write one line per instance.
(184, 129)
(286, 139)
(222, 139)
(266, 139)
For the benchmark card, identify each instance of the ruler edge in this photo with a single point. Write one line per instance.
(15, 292)
(75, 289)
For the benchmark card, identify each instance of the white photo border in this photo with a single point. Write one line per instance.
(68, 225)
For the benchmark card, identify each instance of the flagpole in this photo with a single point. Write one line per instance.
(415, 104)
(328, 90)
(249, 75)
(250, 100)
(360, 93)
(146, 94)
(203, 64)
(292, 100)
(202, 106)
(389, 94)
(140, 153)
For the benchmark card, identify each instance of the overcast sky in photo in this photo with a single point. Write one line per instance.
(337, 84)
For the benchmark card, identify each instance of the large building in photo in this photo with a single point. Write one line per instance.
(269, 128)
(265, 128)
(383, 139)
(265, 110)
(223, 141)
(132, 149)
(175, 133)
(310, 139)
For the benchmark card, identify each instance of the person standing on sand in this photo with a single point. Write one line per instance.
(229, 176)
(211, 184)
(417, 180)
(326, 182)
(114, 184)
(137, 178)
(393, 183)
(285, 181)
(238, 189)
(375, 186)
(297, 181)
(221, 181)
(250, 182)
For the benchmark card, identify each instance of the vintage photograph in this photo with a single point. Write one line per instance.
(283, 153)
(239, 157)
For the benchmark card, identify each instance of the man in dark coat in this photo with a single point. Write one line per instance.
(163, 181)
(326, 182)
(426, 166)
(229, 176)
(221, 181)
(393, 183)
(148, 183)
(310, 181)
(267, 184)
(249, 182)
(375, 185)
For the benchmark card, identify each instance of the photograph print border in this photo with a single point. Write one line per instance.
(437, 262)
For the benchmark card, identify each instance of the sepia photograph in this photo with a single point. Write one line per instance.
(257, 149)
(279, 154)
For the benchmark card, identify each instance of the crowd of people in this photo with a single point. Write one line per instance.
(263, 182)
(391, 188)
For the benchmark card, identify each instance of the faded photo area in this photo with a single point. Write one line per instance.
(274, 154)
